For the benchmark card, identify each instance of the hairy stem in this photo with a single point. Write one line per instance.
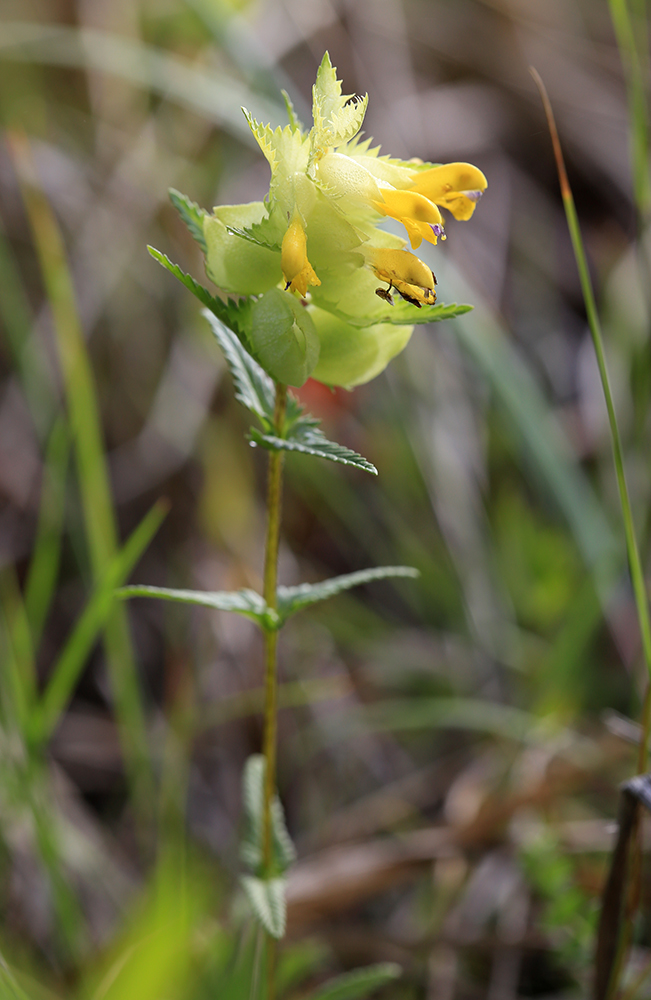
(274, 502)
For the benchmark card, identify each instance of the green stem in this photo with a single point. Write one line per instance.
(274, 503)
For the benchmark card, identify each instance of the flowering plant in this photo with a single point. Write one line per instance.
(298, 295)
(311, 255)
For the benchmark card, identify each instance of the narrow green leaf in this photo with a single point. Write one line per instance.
(253, 387)
(251, 850)
(19, 668)
(207, 92)
(358, 984)
(85, 424)
(192, 214)
(292, 599)
(310, 441)
(473, 714)
(9, 988)
(244, 602)
(44, 564)
(267, 897)
(71, 661)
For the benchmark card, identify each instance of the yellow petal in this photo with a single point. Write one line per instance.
(420, 217)
(297, 270)
(456, 186)
(405, 272)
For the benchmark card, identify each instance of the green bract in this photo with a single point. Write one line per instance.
(312, 254)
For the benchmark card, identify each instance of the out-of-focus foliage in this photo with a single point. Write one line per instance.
(433, 734)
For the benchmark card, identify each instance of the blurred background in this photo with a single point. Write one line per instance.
(450, 748)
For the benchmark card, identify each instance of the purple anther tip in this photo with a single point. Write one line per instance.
(437, 229)
(473, 195)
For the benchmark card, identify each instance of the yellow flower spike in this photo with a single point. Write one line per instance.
(420, 217)
(403, 271)
(297, 270)
(329, 194)
(455, 186)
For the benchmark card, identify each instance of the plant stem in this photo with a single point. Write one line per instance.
(274, 504)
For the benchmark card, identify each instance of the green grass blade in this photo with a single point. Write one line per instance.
(44, 565)
(18, 668)
(475, 715)
(9, 988)
(28, 358)
(635, 563)
(359, 983)
(542, 442)
(632, 34)
(218, 97)
(86, 433)
(71, 661)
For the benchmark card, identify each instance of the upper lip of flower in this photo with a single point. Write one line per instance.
(420, 216)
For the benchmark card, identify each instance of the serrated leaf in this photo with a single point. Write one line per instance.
(403, 314)
(231, 313)
(337, 117)
(293, 599)
(327, 98)
(399, 314)
(192, 214)
(251, 850)
(243, 602)
(253, 387)
(311, 441)
(345, 123)
(255, 235)
(285, 149)
(358, 984)
(267, 897)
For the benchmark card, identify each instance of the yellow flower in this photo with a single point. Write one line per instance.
(328, 196)
(297, 270)
(420, 216)
(404, 272)
(456, 186)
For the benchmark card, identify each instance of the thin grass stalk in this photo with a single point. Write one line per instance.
(85, 426)
(274, 506)
(633, 553)
(631, 33)
(635, 563)
(44, 564)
